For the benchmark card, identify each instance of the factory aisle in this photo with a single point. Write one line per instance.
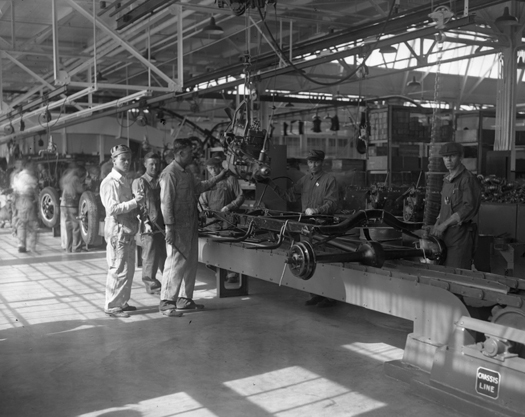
(261, 355)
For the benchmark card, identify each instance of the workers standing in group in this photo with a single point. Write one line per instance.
(120, 228)
(460, 202)
(179, 191)
(151, 227)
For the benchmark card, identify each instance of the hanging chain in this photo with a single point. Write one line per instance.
(434, 133)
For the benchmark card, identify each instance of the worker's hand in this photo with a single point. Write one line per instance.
(310, 212)
(225, 209)
(170, 234)
(147, 228)
(427, 231)
(139, 198)
(438, 230)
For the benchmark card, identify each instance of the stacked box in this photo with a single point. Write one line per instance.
(378, 120)
(400, 125)
(377, 163)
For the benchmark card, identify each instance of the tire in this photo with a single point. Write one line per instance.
(49, 207)
(89, 214)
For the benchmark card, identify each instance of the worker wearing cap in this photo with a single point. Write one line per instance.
(318, 189)
(460, 201)
(319, 195)
(226, 195)
(151, 223)
(121, 225)
(179, 190)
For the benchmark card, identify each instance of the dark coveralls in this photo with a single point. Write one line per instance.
(179, 195)
(317, 191)
(226, 193)
(462, 195)
(72, 188)
(154, 243)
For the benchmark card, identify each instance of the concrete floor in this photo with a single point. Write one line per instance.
(261, 355)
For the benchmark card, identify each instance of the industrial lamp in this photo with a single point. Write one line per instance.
(389, 49)
(506, 19)
(142, 120)
(521, 64)
(413, 83)
(289, 104)
(212, 28)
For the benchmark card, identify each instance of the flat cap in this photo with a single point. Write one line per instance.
(214, 161)
(119, 149)
(315, 155)
(451, 148)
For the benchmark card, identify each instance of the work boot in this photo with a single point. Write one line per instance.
(188, 304)
(152, 286)
(169, 309)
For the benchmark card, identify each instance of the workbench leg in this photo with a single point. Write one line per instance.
(222, 291)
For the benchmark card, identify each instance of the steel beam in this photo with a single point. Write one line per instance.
(433, 310)
(171, 83)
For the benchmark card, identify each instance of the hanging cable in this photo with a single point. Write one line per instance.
(300, 72)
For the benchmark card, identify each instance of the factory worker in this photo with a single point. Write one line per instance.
(24, 221)
(460, 201)
(224, 197)
(72, 185)
(319, 194)
(121, 225)
(179, 194)
(151, 223)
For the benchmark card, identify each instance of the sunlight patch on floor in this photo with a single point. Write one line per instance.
(296, 391)
(379, 351)
(179, 404)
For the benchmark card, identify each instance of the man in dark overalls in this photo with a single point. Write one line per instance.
(151, 226)
(460, 201)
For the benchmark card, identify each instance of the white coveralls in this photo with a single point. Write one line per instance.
(120, 227)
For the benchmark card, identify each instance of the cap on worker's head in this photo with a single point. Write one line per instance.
(118, 150)
(451, 148)
(214, 161)
(315, 155)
